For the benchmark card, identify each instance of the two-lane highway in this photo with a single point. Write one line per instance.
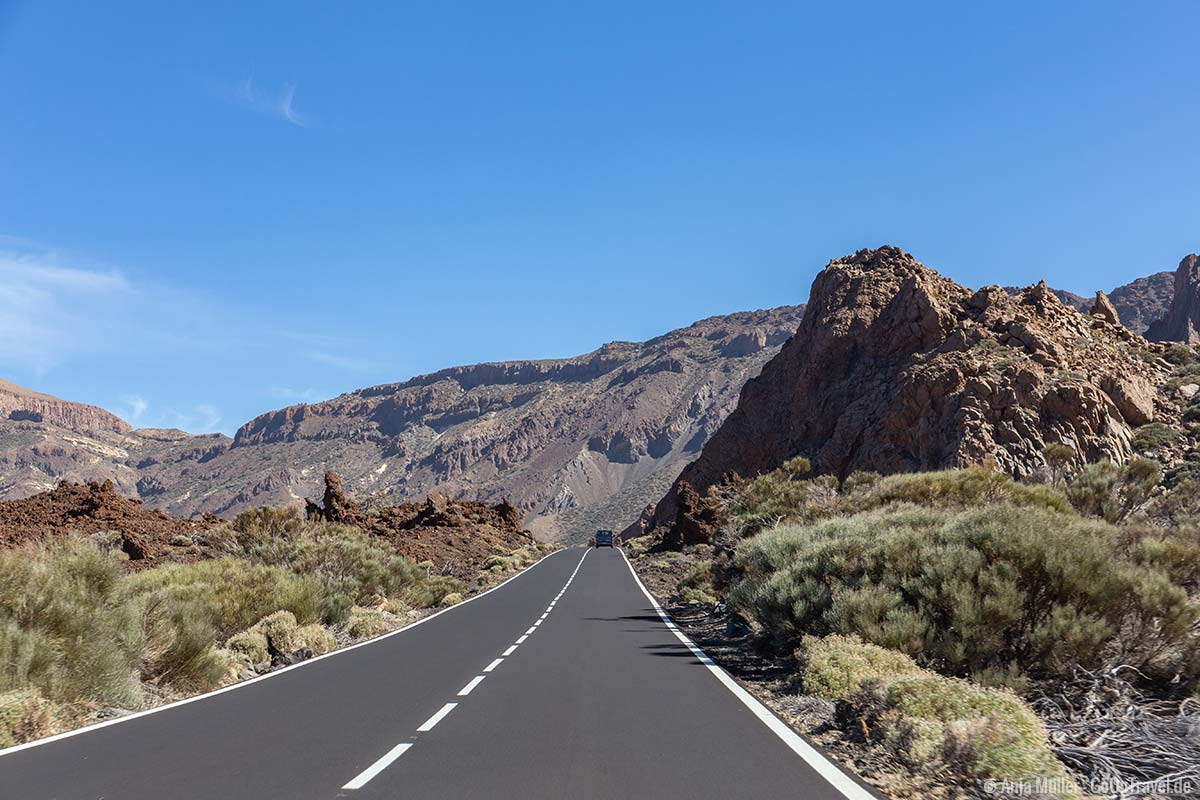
(562, 683)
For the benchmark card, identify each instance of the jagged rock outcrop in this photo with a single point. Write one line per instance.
(896, 368)
(456, 536)
(1182, 321)
(1137, 303)
(1140, 302)
(1103, 308)
(338, 507)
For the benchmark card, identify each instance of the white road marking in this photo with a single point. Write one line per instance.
(532, 628)
(509, 651)
(494, 664)
(436, 718)
(522, 639)
(379, 766)
(539, 622)
(543, 616)
(823, 766)
(466, 690)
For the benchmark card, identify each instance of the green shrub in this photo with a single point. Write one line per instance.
(316, 638)
(253, 645)
(779, 496)
(280, 631)
(366, 623)
(978, 733)
(498, 564)
(235, 593)
(431, 592)
(696, 585)
(452, 599)
(997, 589)
(957, 489)
(835, 666)
(1154, 436)
(25, 715)
(178, 638)
(63, 630)
(1112, 492)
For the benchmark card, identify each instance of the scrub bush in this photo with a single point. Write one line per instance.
(995, 590)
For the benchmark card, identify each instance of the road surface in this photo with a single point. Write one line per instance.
(562, 683)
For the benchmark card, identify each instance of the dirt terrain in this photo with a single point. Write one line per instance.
(89, 508)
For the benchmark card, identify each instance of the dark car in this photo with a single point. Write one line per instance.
(604, 539)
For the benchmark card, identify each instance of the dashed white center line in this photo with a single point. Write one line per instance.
(493, 665)
(509, 651)
(531, 630)
(379, 766)
(543, 616)
(436, 718)
(466, 690)
(522, 639)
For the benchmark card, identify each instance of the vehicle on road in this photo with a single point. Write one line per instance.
(604, 539)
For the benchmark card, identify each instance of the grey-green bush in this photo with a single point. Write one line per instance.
(999, 589)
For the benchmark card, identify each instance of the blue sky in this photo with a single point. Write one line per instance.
(213, 211)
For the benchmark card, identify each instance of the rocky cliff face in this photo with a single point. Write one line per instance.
(895, 368)
(22, 405)
(573, 443)
(1181, 323)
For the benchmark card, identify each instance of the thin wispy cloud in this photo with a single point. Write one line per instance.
(290, 395)
(281, 104)
(341, 361)
(45, 303)
(200, 418)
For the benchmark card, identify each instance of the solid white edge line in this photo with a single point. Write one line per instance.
(822, 765)
(509, 651)
(379, 766)
(466, 690)
(241, 685)
(493, 665)
(428, 724)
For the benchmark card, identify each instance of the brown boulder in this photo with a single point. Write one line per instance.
(696, 522)
(1104, 309)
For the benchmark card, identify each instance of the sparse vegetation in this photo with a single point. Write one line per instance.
(925, 720)
(696, 586)
(78, 631)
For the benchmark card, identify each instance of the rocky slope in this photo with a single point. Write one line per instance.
(1181, 323)
(895, 368)
(573, 443)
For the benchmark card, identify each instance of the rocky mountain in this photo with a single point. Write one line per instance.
(1181, 323)
(895, 368)
(572, 443)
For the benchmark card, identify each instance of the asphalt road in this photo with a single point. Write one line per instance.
(562, 683)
